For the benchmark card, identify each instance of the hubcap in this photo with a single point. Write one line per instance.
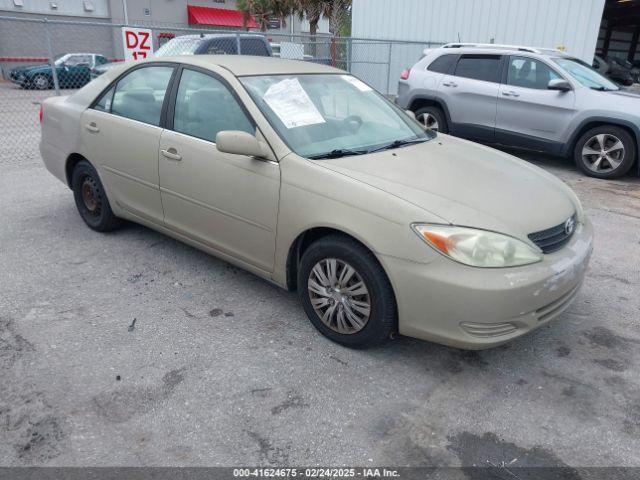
(339, 296)
(603, 153)
(41, 82)
(90, 196)
(429, 121)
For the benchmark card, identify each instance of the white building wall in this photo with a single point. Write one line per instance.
(573, 24)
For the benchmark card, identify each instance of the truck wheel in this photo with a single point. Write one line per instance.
(605, 152)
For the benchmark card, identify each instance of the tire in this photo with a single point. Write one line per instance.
(91, 200)
(381, 321)
(616, 141)
(41, 82)
(427, 115)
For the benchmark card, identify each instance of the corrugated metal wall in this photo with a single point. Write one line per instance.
(573, 24)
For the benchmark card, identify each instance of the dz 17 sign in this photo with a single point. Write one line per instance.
(137, 43)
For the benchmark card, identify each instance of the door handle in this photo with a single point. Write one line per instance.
(171, 154)
(450, 84)
(92, 127)
(511, 94)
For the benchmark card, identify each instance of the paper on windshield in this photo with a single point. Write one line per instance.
(360, 85)
(292, 105)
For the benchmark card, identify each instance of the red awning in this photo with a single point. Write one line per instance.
(219, 17)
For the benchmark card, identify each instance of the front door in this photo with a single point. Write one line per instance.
(228, 202)
(529, 114)
(471, 94)
(130, 110)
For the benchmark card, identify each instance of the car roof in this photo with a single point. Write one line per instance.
(218, 35)
(245, 65)
(496, 50)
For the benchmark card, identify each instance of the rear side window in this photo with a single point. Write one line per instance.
(205, 106)
(140, 94)
(443, 64)
(479, 67)
(104, 104)
(253, 46)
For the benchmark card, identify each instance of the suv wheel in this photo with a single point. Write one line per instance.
(605, 152)
(346, 293)
(91, 201)
(433, 119)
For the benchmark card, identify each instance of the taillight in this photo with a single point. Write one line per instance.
(405, 74)
(41, 113)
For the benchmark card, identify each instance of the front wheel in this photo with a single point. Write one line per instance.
(605, 152)
(346, 293)
(41, 82)
(91, 200)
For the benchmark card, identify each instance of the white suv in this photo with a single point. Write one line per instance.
(533, 98)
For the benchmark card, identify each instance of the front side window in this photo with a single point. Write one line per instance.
(205, 106)
(585, 74)
(140, 94)
(479, 67)
(529, 73)
(321, 115)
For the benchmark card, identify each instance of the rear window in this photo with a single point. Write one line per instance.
(254, 46)
(479, 67)
(219, 46)
(443, 64)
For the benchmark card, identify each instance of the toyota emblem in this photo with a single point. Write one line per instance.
(569, 226)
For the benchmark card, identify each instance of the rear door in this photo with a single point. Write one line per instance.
(471, 94)
(122, 134)
(529, 114)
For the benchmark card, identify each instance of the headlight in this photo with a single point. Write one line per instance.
(478, 248)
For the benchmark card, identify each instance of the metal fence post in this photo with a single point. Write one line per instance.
(54, 72)
(238, 47)
(389, 69)
(349, 53)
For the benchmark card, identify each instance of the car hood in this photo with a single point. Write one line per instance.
(45, 67)
(465, 184)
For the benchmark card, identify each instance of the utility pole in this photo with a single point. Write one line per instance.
(126, 15)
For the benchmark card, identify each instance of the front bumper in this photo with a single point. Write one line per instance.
(476, 308)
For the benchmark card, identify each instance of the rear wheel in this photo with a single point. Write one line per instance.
(91, 200)
(346, 293)
(433, 119)
(605, 152)
(41, 82)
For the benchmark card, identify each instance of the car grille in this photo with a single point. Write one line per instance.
(555, 238)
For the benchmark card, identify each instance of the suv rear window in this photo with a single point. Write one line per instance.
(443, 64)
(253, 46)
(479, 67)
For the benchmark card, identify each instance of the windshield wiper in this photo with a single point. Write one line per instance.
(338, 153)
(398, 144)
(603, 89)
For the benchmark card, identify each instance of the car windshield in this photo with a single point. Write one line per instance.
(331, 115)
(60, 59)
(178, 46)
(584, 74)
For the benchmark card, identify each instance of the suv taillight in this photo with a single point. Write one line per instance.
(41, 113)
(405, 74)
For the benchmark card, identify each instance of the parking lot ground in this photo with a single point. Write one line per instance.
(133, 349)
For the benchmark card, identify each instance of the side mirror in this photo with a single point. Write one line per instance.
(240, 143)
(559, 85)
(411, 114)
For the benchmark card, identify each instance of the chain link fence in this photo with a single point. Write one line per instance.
(41, 57)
